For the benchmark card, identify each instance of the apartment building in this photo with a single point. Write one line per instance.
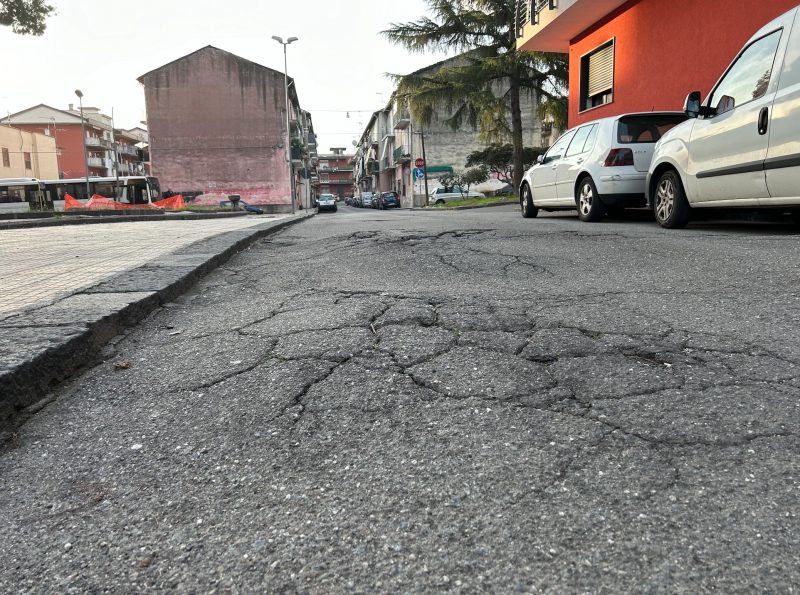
(640, 55)
(335, 173)
(64, 127)
(27, 154)
(233, 141)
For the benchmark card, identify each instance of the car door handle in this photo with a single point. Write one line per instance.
(763, 120)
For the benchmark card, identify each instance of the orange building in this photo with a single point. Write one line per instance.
(640, 55)
(64, 126)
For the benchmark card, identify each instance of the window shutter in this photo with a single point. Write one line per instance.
(601, 71)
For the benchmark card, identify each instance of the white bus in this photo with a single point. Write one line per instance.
(20, 194)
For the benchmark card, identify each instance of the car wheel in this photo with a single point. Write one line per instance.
(590, 206)
(529, 210)
(670, 205)
(439, 202)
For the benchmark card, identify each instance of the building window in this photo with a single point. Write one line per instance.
(6, 158)
(597, 77)
(28, 162)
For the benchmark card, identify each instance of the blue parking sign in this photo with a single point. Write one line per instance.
(419, 173)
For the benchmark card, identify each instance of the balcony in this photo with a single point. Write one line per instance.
(400, 155)
(96, 141)
(403, 122)
(96, 162)
(549, 25)
(127, 150)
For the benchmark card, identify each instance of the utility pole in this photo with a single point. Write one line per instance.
(425, 159)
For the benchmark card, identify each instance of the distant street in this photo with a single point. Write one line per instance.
(458, 401)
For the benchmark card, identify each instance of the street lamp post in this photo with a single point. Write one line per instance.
(288, 133)
(83, 130)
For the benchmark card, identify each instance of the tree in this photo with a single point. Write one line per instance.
(26, 17)
(475, 175)
(484, 87)
(499, 160)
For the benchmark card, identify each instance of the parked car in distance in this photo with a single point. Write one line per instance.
(740, 148)
(507, 190)
(348, 200)
(326, 202)
(389, 200)
(596, 165)
(226, 204)
(443, 194)
(365, 200)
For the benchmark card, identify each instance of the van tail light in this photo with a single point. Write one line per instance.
(619, 157)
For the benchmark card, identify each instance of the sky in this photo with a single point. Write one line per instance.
(102, 46)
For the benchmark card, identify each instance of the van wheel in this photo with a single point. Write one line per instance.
(670, 205)
(529, 211)
(590, 207)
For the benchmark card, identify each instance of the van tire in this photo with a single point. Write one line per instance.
(590, 207)
(670, 206)
(529, 210)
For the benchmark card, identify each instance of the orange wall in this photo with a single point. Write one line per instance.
(667, 48)
(69, 140)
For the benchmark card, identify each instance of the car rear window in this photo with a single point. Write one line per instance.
(647, 128)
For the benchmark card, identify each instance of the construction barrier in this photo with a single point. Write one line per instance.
(104, 203)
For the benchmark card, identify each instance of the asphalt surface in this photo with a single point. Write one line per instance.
(396, 401)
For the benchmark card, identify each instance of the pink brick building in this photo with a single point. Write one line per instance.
(217, 125)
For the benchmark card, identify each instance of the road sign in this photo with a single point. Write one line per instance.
(419, 173)
(419, 163)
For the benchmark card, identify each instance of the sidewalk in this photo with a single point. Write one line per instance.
(65, 292)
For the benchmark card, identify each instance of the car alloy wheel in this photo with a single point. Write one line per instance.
(529, 210)
(585, 200)
(670, 206)
(665, 199)
(590, 206)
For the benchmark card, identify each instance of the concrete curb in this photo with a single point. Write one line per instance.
(92, 219)
(466, 207)
(43, 347)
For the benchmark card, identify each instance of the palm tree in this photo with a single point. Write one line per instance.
(483, 87)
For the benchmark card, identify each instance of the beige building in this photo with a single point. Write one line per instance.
(27, 154)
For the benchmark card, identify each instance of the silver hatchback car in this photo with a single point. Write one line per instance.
(596, 165)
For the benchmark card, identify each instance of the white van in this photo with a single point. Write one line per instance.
(742, 146)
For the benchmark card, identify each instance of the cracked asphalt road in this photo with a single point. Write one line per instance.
(434, 402)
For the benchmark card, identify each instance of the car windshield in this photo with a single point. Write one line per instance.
(647, 128)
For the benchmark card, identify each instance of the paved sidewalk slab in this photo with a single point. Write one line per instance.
(42, 345)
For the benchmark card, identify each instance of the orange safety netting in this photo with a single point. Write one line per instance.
(173, 202)
(71, 203)
(101, 202)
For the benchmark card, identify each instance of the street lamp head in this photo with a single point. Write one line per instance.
(278, 39)
(291, 39)
(78, 93)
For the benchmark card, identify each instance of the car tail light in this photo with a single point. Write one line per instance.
(619, 157)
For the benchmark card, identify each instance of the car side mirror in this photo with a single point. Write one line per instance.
(692, 106)
(539, 159)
